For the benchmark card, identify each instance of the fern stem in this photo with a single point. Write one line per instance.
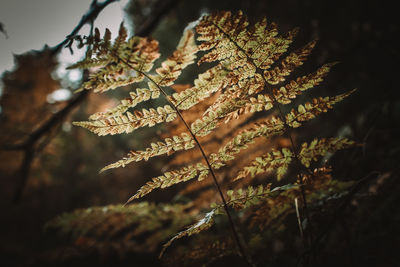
(226, 208)
(296, 156)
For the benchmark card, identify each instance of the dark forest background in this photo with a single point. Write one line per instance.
(48, 167)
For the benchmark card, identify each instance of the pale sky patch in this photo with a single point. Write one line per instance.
(30, 24)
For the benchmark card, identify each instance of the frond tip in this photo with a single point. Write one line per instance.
(118, 64)
(140, 95)
(309, 111)
(241, 199)
(275, 161)
(168, 147)
(183, 56)
(321, 147)
(172, 177)
(196, 228)
(128, 122)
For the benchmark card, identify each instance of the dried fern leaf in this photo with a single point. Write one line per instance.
(89, 62)
(287, 65)
(196, 228)
(241, 199)
(234, 44)
(268, 128)
(285, 94)
(140, 95)
(183, 56)
(274, 161)
(207, 83)
(168, 147)
(129, 122)
(229, 109)
(309, 111)
(262, 102)
(271, 50)
(120, 64)
(121, 38)
(135, 228)
(140, 53)
(320, 147)
(241, 90)
(172, 177)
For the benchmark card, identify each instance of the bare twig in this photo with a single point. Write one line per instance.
(296, 203)
(89, 17)
(160, 9)
(29, 146)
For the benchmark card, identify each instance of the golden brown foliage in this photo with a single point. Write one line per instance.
(117, 227)
(247, 78)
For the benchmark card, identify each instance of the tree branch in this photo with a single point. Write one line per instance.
(89, 17)
(29, 145)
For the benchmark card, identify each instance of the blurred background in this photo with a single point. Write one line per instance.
(49, 167)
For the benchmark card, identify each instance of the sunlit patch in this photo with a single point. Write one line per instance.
(59, 95)
(75, 75)
(66, 126)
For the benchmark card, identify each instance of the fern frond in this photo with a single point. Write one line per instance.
(204, 126)
(99, 50)
(262, 102)
(136, 228)
(246, 59)
(268, 128)
(274, 161)
(120, 64)
(211, 81)
(320, 147)
(141, 95)
(273, 49)
(196, 228)
(215, 30)
(121, 38)
(129, 122)
(172, 177)
(231, 108)
(233, 43)
(88, 63)
(296, 87)
(101, 85)
(140, 53)
(241, 90)
(168, 147)
(287, 65)
(183, 56)
(241, 199)
(309, 111)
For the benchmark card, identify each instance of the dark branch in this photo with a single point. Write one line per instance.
(89, 17)
(29, 145)
(161, 8)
